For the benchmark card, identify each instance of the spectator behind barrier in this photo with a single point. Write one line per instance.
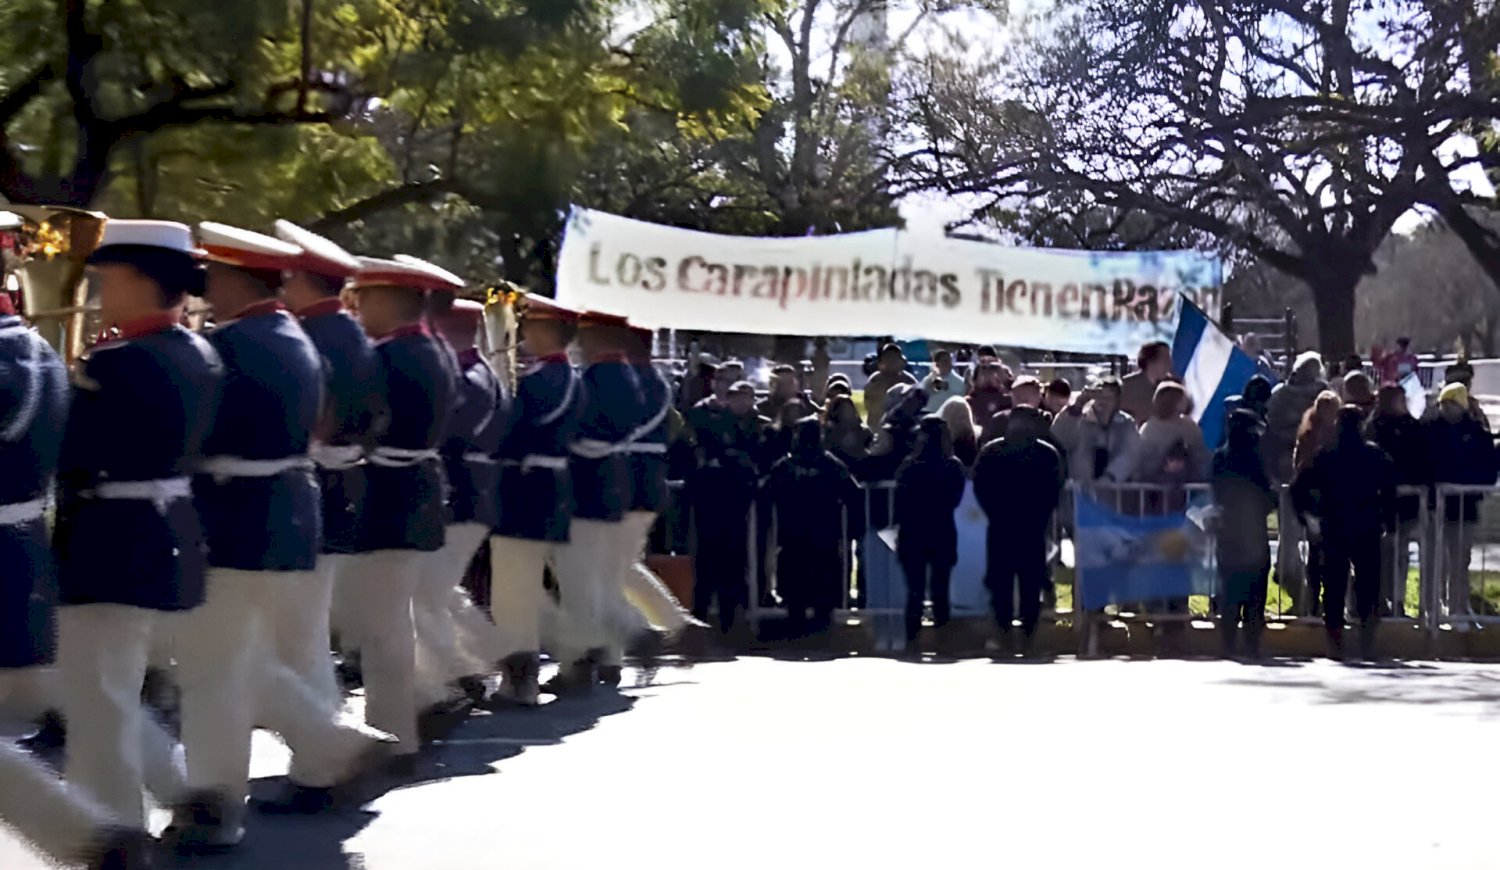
(1018, 482)
(1244, 498)
(941, 383)
(1056, 398)
(1359, 391)
(891, 371)
(989, 396)
(1461, 372)
(818, 510)
(1172, 451)
(1397, 364)
(1289, 401)
(1256, 395)
(844, 434)
(1317, 431)
(1393, 430)
(959, 419)
(1346, 496)
(929, 487)
(1462, 452)
(786, 386)
(1138, 389)
(1104, 441)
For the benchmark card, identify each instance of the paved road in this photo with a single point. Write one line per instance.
(868, 763)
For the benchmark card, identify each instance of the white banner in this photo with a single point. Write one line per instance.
(881, 282)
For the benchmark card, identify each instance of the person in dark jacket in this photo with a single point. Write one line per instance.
(1346, 498)
(721, 495)
(1254, 398)
(1242, 491)
(1462, 453)
(1018, 481)
(816, 505)
(1394, 430)
(929, 487)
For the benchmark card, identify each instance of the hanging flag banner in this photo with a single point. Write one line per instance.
(880, 282)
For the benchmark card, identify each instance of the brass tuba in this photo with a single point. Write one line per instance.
(49, 246)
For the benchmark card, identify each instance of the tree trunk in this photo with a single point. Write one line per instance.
(1333, 300)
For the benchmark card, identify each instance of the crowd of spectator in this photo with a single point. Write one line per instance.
(1327, 458)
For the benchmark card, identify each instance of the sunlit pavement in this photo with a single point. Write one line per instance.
(864, 763)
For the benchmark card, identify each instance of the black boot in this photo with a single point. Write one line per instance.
(206, 823)
(574, 679)
(1335, 642)
(50, 736)
(1367, 640)
(609, 676)
(121, 849)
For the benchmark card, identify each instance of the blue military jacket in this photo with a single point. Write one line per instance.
(612, 408)
(256, 492)
(536, 495)
(404, 507)
(646, 454)
(479, 423)
(354, 415)
(33, 410)
(127, 531)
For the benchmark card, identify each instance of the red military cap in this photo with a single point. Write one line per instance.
(600, 318)
(404, 272)
(465, 312)
(233, 246)
(534, 307)
(644, 334)
(319, 255)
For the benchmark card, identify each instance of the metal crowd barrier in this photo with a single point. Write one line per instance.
(1435, 571)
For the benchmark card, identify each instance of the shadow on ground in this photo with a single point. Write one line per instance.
(476, 742)
(1397, 683)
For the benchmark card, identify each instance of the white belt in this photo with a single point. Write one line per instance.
(478, 458)
(337, 457)
(160, 492)
(22, 512)
(540, 460)
(592, 448)
(223, 468)
(649, 449)
(401, 457)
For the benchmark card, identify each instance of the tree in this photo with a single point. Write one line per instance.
(1298, 132)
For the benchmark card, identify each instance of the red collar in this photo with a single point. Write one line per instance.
(259, 309)
(403, 331)
(331, 305)
(607, 357)
(468, 356)
(159, 321)
(559, 357)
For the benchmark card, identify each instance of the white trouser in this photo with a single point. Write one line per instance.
(59, 820)
(643, 589)
(589, 570)
(517, 595)
(442, 658)
(113, 746)
(301, 627)
(374, 600)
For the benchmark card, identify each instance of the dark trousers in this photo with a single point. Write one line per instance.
(719, 574)
(1017, 561)
(1242, 600)
(921, 573)
(807, 578)
(1339, 554)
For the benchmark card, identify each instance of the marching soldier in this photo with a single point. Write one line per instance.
(478, 425)
(589, 568)
(354, 412)
(261, 509)
(405, 517)
(646, 458)
(64, 823)
(129, 543)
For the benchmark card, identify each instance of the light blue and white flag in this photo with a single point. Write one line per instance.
(1212, 368)
(1122, 558)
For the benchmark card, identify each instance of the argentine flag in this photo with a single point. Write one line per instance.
(1212, 368)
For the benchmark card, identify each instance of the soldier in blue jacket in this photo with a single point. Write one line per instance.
(354, 413)
(404, 518)
(63, 822)
(589, 568)
(535, 501)
(129, 544)
(653, 608)
(456, 638)
(260, 505)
